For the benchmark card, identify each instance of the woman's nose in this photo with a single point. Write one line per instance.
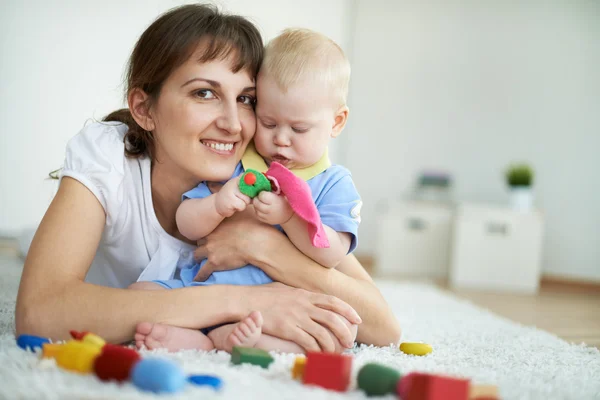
(229, 121)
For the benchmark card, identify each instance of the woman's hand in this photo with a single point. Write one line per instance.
(227, 247)
(303, 317)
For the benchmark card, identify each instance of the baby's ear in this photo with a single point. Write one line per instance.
(138, 106)
(339, 122)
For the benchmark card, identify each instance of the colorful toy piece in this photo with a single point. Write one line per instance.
(298, 368)
(31, 342)
(74, 355)
(158, 376)
(88, 337)
(378, 380)
(328, 370)
(483, 392)
(88, 353)
(420, 386)
(206, 380)
(416, 349)
(250, 355)
(115, 363)
(253, 182)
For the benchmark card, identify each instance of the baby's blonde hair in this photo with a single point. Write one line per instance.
(299, 54)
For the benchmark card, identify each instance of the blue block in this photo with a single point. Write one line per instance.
(206, 380)
(31, 342)
(158, 375)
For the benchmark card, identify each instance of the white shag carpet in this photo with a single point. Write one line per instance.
(524, 362)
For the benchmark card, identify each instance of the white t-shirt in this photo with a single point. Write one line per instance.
(134, 246)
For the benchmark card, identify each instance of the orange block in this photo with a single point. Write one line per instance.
(298, 368)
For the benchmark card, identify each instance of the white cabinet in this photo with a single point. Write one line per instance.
(496, 248)
(413, 240)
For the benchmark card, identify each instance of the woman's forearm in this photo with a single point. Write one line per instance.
(114, 313)
(284, 263)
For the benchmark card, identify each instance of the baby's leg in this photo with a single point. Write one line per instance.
(245, 333)
(173, 338)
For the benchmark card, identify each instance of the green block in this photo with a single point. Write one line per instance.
(249, 355)
(377, 380)
(261, 184)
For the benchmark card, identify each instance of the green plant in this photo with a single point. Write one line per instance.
(519, 175)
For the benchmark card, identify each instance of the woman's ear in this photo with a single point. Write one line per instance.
(138, 106)
(341, 116)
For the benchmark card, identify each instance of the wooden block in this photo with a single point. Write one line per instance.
(250, 355)
(377, 380)
(298, 368)
(328, 370)
(420, 386)
(481, 392)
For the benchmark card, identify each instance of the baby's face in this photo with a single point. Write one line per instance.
(293, 128)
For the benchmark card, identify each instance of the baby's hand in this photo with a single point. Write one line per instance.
(272, 209)
(230, 200)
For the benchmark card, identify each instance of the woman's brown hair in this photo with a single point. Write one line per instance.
(169, 42)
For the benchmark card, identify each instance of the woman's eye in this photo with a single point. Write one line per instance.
(300, 130)
(247, 100)
(205, 94)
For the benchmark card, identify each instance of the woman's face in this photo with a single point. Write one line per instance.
(204, 119)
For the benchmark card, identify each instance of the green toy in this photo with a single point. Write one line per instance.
(250, 355)
(378, 380)
(253, 182)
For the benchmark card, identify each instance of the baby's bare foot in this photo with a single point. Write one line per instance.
(245, 333)
(172, 338)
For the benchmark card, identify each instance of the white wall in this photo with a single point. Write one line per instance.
(469, 86)
(61, 64)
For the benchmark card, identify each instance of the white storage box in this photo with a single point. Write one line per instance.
(414, 240)
(496, 248)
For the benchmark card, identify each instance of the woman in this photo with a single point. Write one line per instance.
(191, 78)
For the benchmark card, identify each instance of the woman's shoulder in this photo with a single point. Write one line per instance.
(96, 157)
(100, 136)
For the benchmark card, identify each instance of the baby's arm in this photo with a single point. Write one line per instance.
(336, 209)
(196, 218)
(339, 242)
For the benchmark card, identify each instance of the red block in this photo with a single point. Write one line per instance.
(115, 362)
(419, 386)
(328, 370)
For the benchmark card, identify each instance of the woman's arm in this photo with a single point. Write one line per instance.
(242, 239)
(53, 297)
(349, 282)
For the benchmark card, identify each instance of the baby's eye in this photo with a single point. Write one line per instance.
(268, 126)
(300, 130)
(247, 100)
(205, 94)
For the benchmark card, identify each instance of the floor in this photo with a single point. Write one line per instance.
(569, 310)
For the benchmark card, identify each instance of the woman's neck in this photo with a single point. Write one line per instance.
(166, 196)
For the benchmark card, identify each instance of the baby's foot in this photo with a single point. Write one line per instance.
(172, 338)
(245, 333)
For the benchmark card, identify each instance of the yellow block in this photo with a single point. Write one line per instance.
(417, 349)
(50, 350)
(298, 369)
(94, 340)
(74, 355)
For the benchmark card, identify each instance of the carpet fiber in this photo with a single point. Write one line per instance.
(524, 362)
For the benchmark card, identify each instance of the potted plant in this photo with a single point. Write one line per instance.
(520, 181)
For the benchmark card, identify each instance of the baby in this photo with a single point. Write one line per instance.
(301, 91)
